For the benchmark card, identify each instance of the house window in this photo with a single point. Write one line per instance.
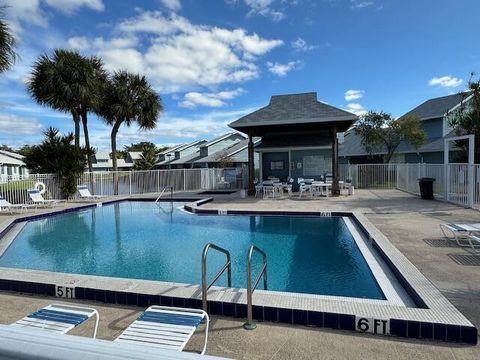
(277, 165)
(316, 165)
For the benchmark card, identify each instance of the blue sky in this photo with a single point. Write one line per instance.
(213, 61)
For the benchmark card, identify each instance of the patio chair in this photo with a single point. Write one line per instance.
(85, 193)
(60, 318)
(305, 189)
(289, 187)
(268, 189)
(469, 232)
(38, 199)
(7, 206)
(165, 327)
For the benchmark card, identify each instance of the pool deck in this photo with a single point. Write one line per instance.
(411, 224)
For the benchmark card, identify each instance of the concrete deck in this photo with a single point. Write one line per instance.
(410, 224)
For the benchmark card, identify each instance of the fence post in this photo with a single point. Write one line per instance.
(447, 181)
(471, 185)
(184, 180)
(356, 175)
(130, 182)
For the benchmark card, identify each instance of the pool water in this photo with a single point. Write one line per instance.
(141, 240)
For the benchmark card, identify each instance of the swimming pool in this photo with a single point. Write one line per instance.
(140, 240)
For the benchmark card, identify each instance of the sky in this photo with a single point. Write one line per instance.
(213, 61)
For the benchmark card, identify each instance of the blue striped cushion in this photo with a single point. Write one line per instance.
(59, 316)
(173, 319)
(457, 227)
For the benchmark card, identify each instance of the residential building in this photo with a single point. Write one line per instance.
(101, 161)
(433, 115)
(180, 152)
(12, 166)
(235, 155)
(210, 148)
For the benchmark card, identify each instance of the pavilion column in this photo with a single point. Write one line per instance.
(335, 184)
(251, 167)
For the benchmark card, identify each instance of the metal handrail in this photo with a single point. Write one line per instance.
(227, 266)
(250, 325)
(165, 188)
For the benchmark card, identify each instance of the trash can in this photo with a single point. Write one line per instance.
(426, 188)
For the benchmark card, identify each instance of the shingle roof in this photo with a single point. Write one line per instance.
(12, 154)
(227, 152)
(187, 159)
(181, 148)
(135, 155)
(103, 155)
(436, 108)
(293, 109)
(172, 148)
(4, 160)
(221, 137)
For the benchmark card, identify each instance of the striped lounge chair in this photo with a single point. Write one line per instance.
(59, 318)
(469, 232)
(165, 327)
(85, 194)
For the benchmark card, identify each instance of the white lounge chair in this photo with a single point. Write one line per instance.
(85, 193)
(165, 327)
(460, 232)
(38, 199)
(60, 318)
(4, 204)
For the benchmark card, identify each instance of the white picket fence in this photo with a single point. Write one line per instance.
(462, 187)
(129, 182)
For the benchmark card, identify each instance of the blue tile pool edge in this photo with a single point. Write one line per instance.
(398, 327)
(463, 332)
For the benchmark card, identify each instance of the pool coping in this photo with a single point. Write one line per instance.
(435, 319)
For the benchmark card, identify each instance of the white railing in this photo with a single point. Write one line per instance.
(129, 182)
(462, 187)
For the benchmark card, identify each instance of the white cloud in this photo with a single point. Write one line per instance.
(445, 81)
(203, 126)
(27, 11)
(78, 43)
(173, 5)
(263, 7)
(301, 45)
(360, 4)
(281, 69)
(351, 94)
(22, 13)
(180, 55)
(193, 99)
(70, 6)
(356, 109)
(13, 125)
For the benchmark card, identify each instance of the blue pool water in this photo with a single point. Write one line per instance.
(140, 240)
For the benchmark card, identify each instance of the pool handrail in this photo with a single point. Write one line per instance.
(227, 266)
(165, 188)
(250, 325)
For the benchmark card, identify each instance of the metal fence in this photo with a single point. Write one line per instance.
(129, 182)
(462, 186)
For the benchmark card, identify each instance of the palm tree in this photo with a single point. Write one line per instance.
(71, 83)
(7, 45)
(148, 159)
(128, 98)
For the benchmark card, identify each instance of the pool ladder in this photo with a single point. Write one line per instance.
(227, 266)
(163, 191)
(251, 286)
